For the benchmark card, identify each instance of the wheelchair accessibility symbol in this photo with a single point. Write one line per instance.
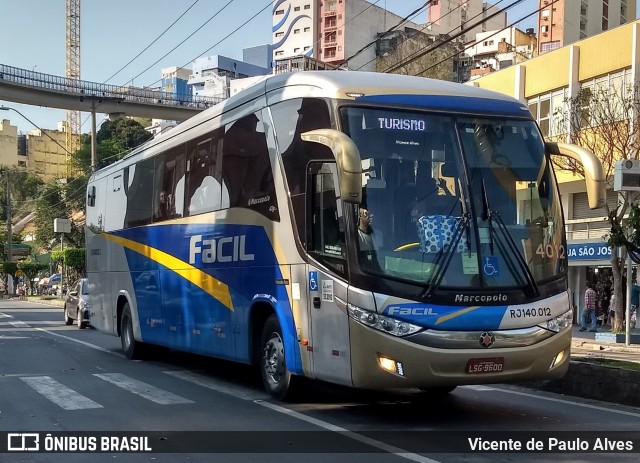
(313, 281)
(491, 267)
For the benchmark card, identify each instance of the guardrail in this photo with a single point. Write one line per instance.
(39, 80)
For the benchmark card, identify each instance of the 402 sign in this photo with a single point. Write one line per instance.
(589, 251)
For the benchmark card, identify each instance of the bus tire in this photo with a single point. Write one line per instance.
(276, 378)
(132, 349)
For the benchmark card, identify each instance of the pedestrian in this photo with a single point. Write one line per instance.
(613, 305)
(589, 309)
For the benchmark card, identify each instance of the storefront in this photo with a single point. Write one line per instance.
(589, 262)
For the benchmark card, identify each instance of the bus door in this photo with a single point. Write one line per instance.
(327, 281)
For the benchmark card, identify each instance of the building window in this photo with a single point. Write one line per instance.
(297, 8)
(296, 31)
(296, 50)
(279, 12)
(279, 53)
(307, 29)
(279, 34)
(307, 7)
(306, 48)
(546, 47)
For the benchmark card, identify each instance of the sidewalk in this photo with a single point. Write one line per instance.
(598, 341)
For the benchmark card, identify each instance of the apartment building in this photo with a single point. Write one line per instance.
(563, 22)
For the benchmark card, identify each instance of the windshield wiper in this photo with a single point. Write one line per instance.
(446, 254)
(490, 215)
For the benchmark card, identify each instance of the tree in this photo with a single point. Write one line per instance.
(606, 120)
(437, 64)
(114, 139)
(31, 270)
(49, 206)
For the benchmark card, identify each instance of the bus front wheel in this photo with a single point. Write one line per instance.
(132, 348)
(275, 376)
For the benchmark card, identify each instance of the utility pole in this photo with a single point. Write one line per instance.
(9, 229)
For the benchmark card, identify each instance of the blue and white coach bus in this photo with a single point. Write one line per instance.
(370, 230)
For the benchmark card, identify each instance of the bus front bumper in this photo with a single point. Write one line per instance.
(382, 361)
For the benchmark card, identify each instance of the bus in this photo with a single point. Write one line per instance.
(369, 230)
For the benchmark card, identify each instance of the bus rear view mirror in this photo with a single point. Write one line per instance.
(347, 160)
(593, 171)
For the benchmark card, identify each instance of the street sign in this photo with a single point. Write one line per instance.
(19, 249)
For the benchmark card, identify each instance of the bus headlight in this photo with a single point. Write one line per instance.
(558, 323)
(382, 323)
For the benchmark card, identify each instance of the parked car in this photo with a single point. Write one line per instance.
(76, 304)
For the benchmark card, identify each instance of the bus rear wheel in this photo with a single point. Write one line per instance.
(132, 349)
(276, 378)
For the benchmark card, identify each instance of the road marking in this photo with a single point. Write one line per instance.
(568, 402)
(34, 322)
(79, 341)
(19, 324)
(145, 390)
(215, 384)
(479, 388)
(59, 393)
(350, 434)
(4, 315)
(25, 310)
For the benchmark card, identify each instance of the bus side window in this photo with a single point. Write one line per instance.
(246, 168)
(327, 238)
(169, 184)
(204, 179)
(139, 189)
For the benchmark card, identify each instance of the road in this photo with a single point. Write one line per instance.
(56, 378)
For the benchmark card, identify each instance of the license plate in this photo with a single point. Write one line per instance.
(483, 366)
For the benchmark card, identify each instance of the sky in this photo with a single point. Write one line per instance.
(113, 32)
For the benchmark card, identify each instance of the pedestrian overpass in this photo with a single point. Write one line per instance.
(40, 89)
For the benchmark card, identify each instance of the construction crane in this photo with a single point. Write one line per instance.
(72, 72)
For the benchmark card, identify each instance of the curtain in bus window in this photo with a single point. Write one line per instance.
(169, 192)
(204, 182)
(139, 179)
(246, 171)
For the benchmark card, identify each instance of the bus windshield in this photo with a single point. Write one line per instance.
(455, 201)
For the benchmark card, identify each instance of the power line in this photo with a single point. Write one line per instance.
(223, 39)
(154, 41)
(419, 54)
(145, 49)
(405, 19)
(492, 35)
(421, 30)
(187, 38)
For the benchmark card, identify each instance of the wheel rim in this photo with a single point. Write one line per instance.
(274, 359)
(127, 333)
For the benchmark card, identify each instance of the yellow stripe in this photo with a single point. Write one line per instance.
(456, 314)
(203, 280)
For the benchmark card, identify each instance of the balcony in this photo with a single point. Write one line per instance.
(331, 44)
(328, 14)
(330, 28)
